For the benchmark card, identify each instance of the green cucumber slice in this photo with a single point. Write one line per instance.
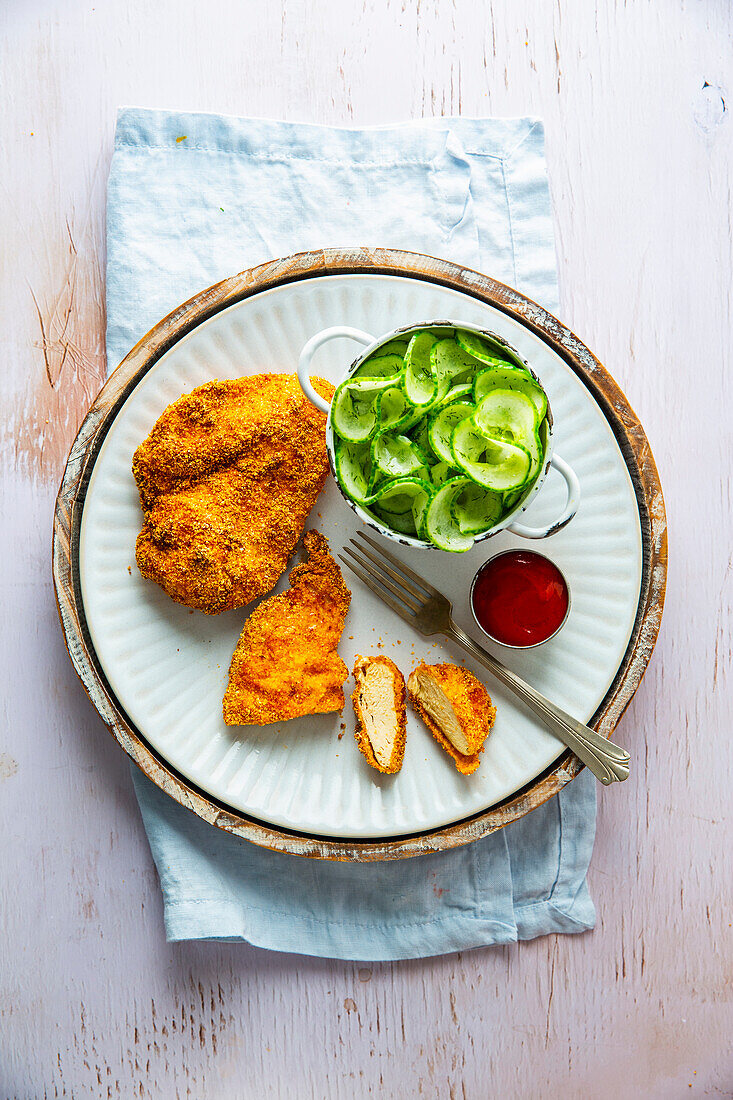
(420, 509)
(364, 387)
(494, 463)
(403, 523)
(480, 349)
(352, 417)
(377, 481)
(512, 499)
(398, 346)
(353, 469)
(510, 378)
(512, 412)
(380, 365)
(476, 509)
(440, 435)
(400, 494)
(411, 417)
(442, 472)
(455, 393)
(396, 455)
(450, 360)
(507, 411)
(396, 501)
(403, 504)
(390, 407)
(420, 382)
(419, 436)
(440, 526)
(442, 425)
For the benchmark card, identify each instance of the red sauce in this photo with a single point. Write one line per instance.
(520, 598)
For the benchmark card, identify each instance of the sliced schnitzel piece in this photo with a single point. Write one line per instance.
(285, 664)
(227, 478)
(379, 706)
(456, 708)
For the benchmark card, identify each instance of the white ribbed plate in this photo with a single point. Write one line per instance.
(168, 666)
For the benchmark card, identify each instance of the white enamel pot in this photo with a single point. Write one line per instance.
(370, 344)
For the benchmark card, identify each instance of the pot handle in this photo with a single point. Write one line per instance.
(312, 347)
(571, 505)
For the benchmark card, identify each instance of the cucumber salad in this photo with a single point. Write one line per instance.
(439, 434)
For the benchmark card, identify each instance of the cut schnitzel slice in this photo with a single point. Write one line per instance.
(456, 708)
(379, 706)
(285, 664)
(227, 478)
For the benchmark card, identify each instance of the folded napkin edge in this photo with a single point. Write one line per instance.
(150, 128)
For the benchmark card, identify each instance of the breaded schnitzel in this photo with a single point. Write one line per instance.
(456, 708)
(285, 664)
(227, 478)
(379, 707)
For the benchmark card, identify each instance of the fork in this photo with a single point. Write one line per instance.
(430, 612)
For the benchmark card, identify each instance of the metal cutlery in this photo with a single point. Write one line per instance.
(429, 612)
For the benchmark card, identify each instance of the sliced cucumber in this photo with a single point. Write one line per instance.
(442, 472)
(442, 426)
(396, 455)
(476, 509)
(398, 346)
(480, 349)
(403, 496)
(512, 499)
(353, 469)
(419, 436)
(507, 411)
(450, 360)
(380, 365)
(455, 393)
(442, 390)
(353, 417)
(439, 435)
(420, 508)
(377, 481)
(511, 412)
(420, 382)
(494, 463)
(391, 406)
(510, 378)
(440, 526)
(365, 387)
(393, 498)
(411, 417)
(402, 522)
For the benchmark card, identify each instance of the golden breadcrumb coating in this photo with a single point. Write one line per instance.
(285, 664)
(227, 478)
(471, 705)
(391, 701)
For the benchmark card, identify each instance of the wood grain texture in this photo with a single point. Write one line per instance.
(635, 97)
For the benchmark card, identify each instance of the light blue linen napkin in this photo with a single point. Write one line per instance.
(193, 198)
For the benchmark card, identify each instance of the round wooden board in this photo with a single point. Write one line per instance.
(67, 521)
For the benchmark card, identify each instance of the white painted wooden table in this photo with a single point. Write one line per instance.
(635, 97)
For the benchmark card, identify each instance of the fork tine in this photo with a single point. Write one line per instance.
(396, 607)
(385, 581)
(401, 566)
(400, 580)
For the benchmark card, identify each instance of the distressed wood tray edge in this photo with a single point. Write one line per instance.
(380, 261)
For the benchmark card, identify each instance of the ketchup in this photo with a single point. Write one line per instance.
(520, 598)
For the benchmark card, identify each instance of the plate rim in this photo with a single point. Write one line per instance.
(613, 403)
